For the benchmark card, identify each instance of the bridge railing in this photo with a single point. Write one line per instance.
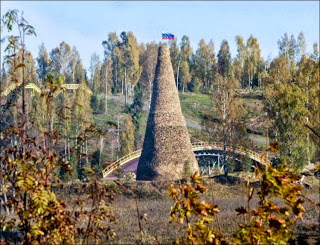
(33, 86)
(195, 146)
(10, 88)
(110, 168)
(203, 146)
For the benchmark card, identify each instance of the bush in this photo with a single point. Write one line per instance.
(94, 103)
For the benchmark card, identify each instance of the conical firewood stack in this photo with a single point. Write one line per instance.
(167, 151)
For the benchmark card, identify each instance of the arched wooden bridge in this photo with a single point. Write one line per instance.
(35, 88)
(130, 161)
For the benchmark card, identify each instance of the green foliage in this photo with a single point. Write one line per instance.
(73, 164)
(102, 105)
(246, 163)
(271, 222)
(32, 162)
(194, 85)
(290, 92)
(204, 67)
(127, 136)
(95, 163)
(196, 213)
(224, 59)
(226, 125)
(136, 112)
(95, 158)
(94, 103)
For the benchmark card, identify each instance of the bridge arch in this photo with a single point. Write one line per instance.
(199, 149)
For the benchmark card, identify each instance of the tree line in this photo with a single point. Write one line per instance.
(289, 84)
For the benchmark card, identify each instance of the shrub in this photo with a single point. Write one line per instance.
(270, 222)
(187, 204)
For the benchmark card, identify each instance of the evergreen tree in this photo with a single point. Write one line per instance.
(127, 136)
(136, 111)
(224, 60)
(43, 63)
(94, 103)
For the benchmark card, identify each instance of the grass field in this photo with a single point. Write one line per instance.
(193, 105)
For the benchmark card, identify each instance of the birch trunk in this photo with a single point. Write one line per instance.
(106, 109)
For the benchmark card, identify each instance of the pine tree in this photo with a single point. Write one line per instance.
(224, 60)
(94, 103)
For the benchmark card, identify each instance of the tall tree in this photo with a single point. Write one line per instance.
(212, 64)
(76, 67)
(301, 45)
(127, 136)
(226, 124)
(43, 61)
(252, 61)
(149, 62)
(17, 48)
(175, 58)
(111, 49)
(130, 61)
(240, 60)
(224, 60)
(202, 64)
(285, 102)
(136, 111)
(60, 61)
(184, 75)
(81, 117)
(95, 70)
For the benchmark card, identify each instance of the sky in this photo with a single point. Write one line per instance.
(85, 24)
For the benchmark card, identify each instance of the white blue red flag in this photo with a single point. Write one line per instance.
(166, 35)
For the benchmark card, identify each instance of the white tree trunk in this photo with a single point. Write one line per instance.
(106, 109)
(101, 149)
(178, 74)
(125, 86)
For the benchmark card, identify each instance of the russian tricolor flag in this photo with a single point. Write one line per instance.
(166, 35)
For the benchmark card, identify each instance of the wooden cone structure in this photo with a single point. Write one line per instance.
(167, 151)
